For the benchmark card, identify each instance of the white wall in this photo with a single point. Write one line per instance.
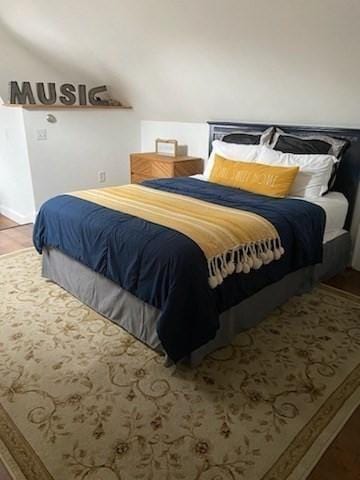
(18, 63)
(185, 61)
(16, 193)
(197, 60)
(79, 145)
(194, 136)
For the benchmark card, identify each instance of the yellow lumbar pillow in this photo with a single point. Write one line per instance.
(268, 180)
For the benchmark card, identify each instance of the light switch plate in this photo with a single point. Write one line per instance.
(41, 134)
(102, 177)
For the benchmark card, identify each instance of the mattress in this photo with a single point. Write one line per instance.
(335, 206)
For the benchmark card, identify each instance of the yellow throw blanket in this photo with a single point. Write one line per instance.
(232, 240)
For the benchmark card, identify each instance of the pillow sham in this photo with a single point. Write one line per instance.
(308, 144)
(314, 170)
(311, 144)
(273, 181)
(232, 151)
(244, 137)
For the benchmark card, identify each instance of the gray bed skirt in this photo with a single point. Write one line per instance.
(140, 318)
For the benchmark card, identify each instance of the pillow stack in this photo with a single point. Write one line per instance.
(310, 145)
(314, 171)
(312, 161)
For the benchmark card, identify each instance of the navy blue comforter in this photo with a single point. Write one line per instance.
(167, 269)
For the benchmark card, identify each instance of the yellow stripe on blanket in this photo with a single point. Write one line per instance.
(232, 240)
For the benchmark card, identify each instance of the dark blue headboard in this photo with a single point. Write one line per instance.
(348, 176)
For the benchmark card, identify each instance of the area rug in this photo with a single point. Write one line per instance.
(82, 399)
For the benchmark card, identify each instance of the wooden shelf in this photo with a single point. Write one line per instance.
(66, 107)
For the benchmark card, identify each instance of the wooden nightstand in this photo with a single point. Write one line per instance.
(145, 166)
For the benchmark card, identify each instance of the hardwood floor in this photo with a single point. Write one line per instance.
(349, 281)
(15, 238)
(6, 223)
(341, 461)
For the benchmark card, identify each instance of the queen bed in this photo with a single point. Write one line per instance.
(152, 280)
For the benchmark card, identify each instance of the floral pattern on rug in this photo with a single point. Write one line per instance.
(95, 403)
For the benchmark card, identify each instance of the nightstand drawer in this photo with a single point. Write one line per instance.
(162, 170)
(191, 167)
(135, 178)
(145, 166)
(140, 166)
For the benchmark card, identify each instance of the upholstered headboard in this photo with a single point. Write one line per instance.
(348, 176)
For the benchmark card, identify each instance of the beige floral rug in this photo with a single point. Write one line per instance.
(82, 399)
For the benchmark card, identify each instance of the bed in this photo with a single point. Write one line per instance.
(197, 320)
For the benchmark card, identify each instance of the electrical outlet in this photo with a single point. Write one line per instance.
(102, 177)
(41, 134)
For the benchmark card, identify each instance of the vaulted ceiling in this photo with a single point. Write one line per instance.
(256, 60)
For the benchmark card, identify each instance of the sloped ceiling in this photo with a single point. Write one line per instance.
(194, 60)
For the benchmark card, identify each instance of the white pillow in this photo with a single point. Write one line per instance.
(314, 174)
(231, 151)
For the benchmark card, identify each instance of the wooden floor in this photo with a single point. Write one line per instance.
(349, 281)
(6, 223)
(15, 238)
(341, 461)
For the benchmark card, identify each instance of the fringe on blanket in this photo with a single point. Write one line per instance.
(243, 258)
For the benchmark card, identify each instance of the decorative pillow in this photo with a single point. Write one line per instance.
(231, 151)
(311, 144)
(314, 170)
(244, 137)
(308, 144)
(253, 177)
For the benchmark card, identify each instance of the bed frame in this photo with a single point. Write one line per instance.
(140, 319)
(348, 175)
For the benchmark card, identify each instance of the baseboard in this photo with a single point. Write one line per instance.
(17, 217)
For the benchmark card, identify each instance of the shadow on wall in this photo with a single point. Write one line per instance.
(23, 60)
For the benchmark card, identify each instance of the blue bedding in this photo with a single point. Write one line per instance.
(167, 269)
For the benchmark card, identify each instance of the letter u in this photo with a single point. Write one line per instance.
(51, 99)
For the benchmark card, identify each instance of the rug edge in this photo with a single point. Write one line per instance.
(342, 293)
(286, 467)
(11, 467)
(321, 444)
(17, 252)
(10, 434)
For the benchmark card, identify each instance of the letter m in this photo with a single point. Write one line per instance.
(23, 95)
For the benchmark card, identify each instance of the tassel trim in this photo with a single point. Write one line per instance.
(243, 258)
